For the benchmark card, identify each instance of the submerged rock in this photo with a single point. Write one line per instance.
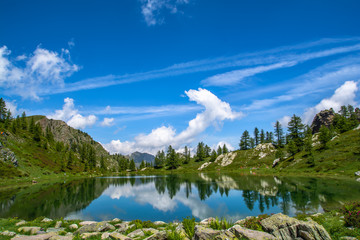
(285, 227)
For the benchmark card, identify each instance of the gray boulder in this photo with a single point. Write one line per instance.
(203, 233)
(158, 236)
(95, 227)
(29, 230)
(119, 236)
(357, 173)
(136, 233)
(241, 232)
(285, 227)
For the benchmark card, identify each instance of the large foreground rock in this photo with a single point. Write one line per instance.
(203, 233)
(95, 227)
(34, 237)
(285, 227)
(241, 233)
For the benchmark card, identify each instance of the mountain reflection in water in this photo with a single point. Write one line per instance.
(173, 197)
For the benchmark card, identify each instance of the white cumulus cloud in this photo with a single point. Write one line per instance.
(71, 116)
(344, 95)
(30, 76)
(216, 111)
(107, 122)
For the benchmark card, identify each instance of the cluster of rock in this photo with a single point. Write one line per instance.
(277, 226)
(223, 160)
(7, 156)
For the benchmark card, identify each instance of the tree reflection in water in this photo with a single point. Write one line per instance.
(240, 194)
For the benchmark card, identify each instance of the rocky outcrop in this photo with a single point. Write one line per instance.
(325, 117)
(8, 156)
(226, 159)
(264, 149)
(285, 227)
(203, 233)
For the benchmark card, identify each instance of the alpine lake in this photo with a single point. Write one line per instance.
(174, 197)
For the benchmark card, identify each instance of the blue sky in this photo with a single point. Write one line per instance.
(138, 75)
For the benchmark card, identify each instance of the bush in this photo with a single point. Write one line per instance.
(351, 213)
(254, 222)
(189, 226)
(220, 224)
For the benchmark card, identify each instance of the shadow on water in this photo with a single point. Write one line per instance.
(173, 197)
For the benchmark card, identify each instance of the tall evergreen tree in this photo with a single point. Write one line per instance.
(23, 121)
(279, 134)
(256, 136)
(159, 159)
(219, 151)
(296, 131)
(213, 156)
(200, 152)
(245, 141)
(132, 165)
(225, 149)
(262, 136)
(186, 155)
(172, 158)
(3, 110)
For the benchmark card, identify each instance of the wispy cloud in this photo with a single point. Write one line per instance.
(252, 63)
(152, 9)
(320, 79)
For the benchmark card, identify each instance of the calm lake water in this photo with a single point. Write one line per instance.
(174, 197)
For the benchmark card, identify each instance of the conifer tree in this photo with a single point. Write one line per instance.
(256, 136)
(219, 151)
(3, 110)
(186, 155)
(159, 159)
(172, 158)
(200, 152)
(245, 141)
(262, 136)
(225, 149)
(213, 156)
(23, 121)
(132, 165)
(279, 134)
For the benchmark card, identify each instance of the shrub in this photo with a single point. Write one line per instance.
(189, 226)
(254, 222)
(220, 224)
(351, 213)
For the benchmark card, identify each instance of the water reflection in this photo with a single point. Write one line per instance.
(173, 197)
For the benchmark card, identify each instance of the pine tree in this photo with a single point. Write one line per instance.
(37, 133)
(225, 149)
(69, 160)
(159, 159)
(213, 156)
(245, 141)
(256, 136)
(186, 155)
(219, 150)
(207, 150)
(32, 125)
(279, 134)
(23, 121)
(102, 164)
(7, 119)
(292, 148)
(3, 110)
(296, 131)
(132, 165)
(262, 136)
(200, 152)
(324, 136)
(142, 164)
(172, 158)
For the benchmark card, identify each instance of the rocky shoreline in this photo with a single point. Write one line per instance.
(277, 226)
